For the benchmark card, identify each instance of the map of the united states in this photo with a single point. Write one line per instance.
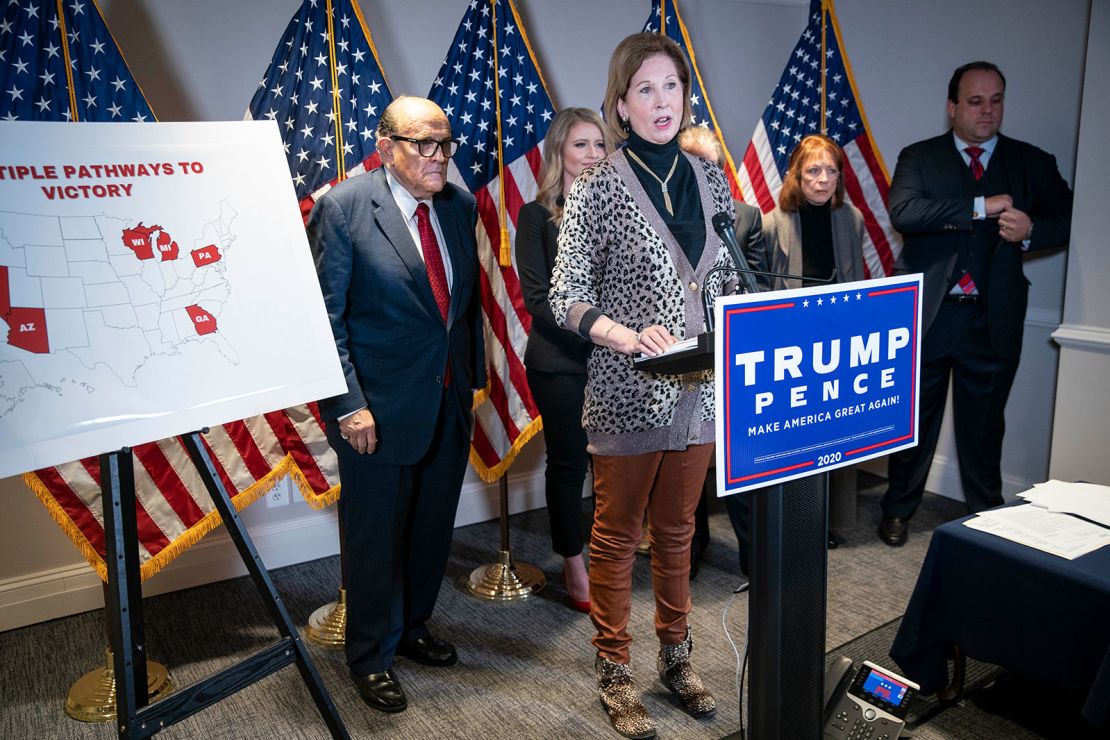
(108, 292)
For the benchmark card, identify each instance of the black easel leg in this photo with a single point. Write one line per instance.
(124, 602)
(262, 581)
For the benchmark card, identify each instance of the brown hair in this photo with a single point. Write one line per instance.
(551, 174)
(790, 197)
(627, 59)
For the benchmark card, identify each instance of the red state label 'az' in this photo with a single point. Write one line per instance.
(27, 329)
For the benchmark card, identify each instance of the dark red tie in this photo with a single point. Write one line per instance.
(437, 275)
(976, 165)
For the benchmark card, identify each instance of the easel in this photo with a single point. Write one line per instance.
(134, 717)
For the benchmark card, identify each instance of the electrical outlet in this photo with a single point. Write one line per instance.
(278, 496)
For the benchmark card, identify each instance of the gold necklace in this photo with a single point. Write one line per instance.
(662, 183)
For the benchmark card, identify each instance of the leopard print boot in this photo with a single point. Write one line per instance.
(677, 675)
(621, 700)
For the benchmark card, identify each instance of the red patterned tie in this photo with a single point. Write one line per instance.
(976, 165)
(437, 275)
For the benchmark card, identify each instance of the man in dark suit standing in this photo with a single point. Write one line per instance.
(397, 260)
(969, 204)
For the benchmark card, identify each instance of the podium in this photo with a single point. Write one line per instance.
(831, 386)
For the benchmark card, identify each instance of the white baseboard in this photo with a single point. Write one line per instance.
(71, 589)
(944, 478)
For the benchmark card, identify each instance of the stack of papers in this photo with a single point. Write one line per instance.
(1052, 523)
(1082, 499)
(1058, 534)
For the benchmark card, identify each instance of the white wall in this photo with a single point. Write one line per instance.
(1082, 426)
(201, 60)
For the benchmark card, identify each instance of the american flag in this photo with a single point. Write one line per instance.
(665, 15)
(173, 509)
(795, 110)
(64, 67)
(326, 90)
(492, 91)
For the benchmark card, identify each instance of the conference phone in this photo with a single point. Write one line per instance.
(866, 704)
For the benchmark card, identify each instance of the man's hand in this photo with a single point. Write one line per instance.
(360, 430)
(1013, 225)
(996, 204)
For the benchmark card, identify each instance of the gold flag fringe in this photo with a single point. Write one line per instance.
(194, 534)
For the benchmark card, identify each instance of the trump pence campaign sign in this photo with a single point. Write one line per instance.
(813, 379)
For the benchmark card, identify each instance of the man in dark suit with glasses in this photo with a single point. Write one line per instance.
(396, 255)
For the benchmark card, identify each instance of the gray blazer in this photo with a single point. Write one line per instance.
(782, 238)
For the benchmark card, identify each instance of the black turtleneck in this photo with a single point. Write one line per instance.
(688, 223)
(817, 239)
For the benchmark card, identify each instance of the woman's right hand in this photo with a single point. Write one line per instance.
(651, 341)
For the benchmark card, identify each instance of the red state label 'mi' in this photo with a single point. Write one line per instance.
(206, 255)
(27, 329)
(203, 322)
(167, 247)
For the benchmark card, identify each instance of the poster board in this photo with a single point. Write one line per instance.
(154, 279)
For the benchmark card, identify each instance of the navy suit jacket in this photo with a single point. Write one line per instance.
(929, 205)
(392, 340)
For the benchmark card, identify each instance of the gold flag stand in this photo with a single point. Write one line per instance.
(327, 626)
(505, 580)
(92, 698)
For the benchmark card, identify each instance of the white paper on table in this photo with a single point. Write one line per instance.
(1087, 500)
(1062, 535)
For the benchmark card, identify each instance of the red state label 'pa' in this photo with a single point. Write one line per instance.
(206, 255)
(203, 322)
(27, 329)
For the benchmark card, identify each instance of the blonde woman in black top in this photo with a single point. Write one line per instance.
(556, 359)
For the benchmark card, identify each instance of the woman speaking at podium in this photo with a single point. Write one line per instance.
(635, 246)
(556, 359)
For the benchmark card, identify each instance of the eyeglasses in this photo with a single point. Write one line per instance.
(428, 147)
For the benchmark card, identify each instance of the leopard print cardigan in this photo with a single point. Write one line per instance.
(617, 255)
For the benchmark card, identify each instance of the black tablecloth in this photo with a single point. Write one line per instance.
(1026, 610)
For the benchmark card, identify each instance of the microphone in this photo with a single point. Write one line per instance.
(722, 224)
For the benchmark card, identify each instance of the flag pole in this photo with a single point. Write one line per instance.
(504, 580)
(824, 55)
(504, 250)
(327, 625)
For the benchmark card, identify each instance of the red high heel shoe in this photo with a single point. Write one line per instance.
(579, 606)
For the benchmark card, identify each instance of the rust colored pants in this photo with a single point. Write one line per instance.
(668, 485)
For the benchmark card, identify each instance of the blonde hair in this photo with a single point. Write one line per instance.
(627, 59)
(551, 173)
(698, 140)
(790, 197)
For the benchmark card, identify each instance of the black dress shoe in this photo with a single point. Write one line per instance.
(429, 650)
(893, 530)
(382, 691)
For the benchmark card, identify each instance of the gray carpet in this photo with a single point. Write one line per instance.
(525, 668)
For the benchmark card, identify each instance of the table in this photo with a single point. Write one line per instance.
(1025, 610)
